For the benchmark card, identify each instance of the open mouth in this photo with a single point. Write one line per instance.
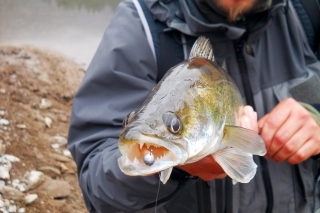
(138, 151)
(144, 155)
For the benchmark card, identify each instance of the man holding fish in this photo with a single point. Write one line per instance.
(191, 130)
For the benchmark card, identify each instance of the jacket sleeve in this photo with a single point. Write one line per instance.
(118, 80)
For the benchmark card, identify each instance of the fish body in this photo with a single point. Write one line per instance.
(191, 113)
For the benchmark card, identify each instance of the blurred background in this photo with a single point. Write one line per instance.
(73, 28)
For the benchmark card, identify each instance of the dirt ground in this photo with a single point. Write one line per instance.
(36, 93)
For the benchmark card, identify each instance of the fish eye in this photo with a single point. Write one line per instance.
(175, 125)
(172, 122)
(128, 118)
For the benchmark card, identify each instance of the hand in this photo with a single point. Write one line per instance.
(207, 168)
(290, 133)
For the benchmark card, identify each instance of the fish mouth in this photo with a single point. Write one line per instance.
(166, 154)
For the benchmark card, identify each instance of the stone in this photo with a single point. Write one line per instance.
(47, 121)
(66, 153)
(21, 126)
(55, 188)
(59, 157)
(2, 112)
(11, 158)
(34, 179)
(45, 104)
(50, 171)
(4, 172)
(61, 140)
(29, 199)
(11, 193)
(4, 122)
(55, 146)
(17, 184)
(2, 148)
(12, 208)
(21, 210)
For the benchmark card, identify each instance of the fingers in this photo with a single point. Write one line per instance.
(248, 118)
(289, 147)
(290, 133)
(272, 122)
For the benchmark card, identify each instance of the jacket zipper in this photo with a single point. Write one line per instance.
(239, 45)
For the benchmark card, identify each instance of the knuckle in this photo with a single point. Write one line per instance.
(303, 115)
(271, 122)
(280, 138)
(299, 157)
(288, 148)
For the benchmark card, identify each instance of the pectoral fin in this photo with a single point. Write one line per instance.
(236, 164)
(165, 175)
(245, 140)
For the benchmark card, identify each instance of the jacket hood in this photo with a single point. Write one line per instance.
(184, 16)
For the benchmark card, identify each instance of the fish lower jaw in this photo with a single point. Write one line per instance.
(137, 168)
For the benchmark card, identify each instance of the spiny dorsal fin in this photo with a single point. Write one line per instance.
(202, 49)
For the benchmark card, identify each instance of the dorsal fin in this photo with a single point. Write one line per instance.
(202, 49)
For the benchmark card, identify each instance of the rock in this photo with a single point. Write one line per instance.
(34, 179)
(50, 171)
(55, 146)
(55, 188)
(17, 184)
(58, 203)
(21, 210)
(66, 153)
(12, 208)
(4, 122)
(59, 157)
(62, 141)
(11, 193)
(29, 199)
(47, 121)
(63, 167)
(1, 203)
(21, 126)
(11, 158)
(5, 165)
(45, 104)
(4, 172)
(2, 112)
(2, 148)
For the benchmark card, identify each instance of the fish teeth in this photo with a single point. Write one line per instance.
(127, 160)
(141, 145)
(135, 161)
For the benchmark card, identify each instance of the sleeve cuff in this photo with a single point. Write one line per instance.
(182, 176)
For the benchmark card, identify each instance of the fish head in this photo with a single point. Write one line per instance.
(150, 145)
(164, 132)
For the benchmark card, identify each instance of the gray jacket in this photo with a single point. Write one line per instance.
(273, 55)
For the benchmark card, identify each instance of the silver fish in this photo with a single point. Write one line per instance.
(191, 113)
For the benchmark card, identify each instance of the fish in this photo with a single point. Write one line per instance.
(191, 113)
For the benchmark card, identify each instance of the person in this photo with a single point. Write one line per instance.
(264, 48)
